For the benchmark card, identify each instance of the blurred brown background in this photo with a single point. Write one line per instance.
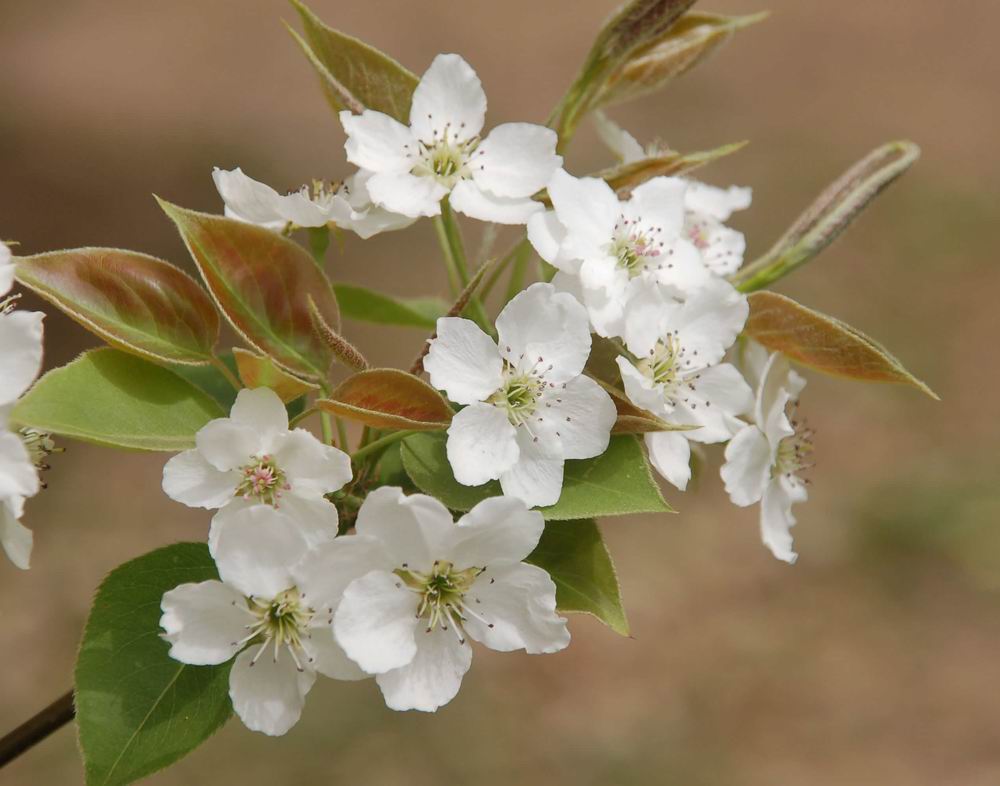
(873, 660)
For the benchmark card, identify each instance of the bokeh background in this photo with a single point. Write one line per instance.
(873, 660)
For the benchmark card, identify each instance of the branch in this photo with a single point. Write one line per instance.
(34, 730)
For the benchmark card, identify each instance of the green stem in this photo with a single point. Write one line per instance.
(229, 375)
(450, 238)
(454, 280)
(379, 444)
(342, 434)
(327, 428)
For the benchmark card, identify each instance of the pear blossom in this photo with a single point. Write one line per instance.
(527, 405)
(346, 204)
(764, 457)
(608, 250)
(442, 153)
(269, 610)
(678, 376)
(425, 585)
(252, 458)
(20, 363)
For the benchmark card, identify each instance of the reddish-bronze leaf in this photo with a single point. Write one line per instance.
(390, 399)
(343, 350)
(625, 177)
(262, 282)
(823, 343)
(133, 301)
(257, 371)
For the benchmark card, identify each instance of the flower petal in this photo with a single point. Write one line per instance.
(714, 397)
(414, 529)
(247, 199)
(776, 518)
(709, 321)
(21, 351)
(449, 96)
(670, 455)
(432, 678)
(325, 572)
(497, 530)
(519, 601)
(262, 410)
(473, 201)
(227, 445)
(463, 361)
(588, 208)
(377, 142)
(748, 466)
(255, 550)
(547, 235)
(582, 414)
(189, 479)
(315, 518)
(205, 623)
(16, 539)
(6, 269)
(640, 389)
(268, 695)
(18, 476)
(537, 477)
(406, 194)
(718, 203)
(516, 159)
(311, 468)
(481, 444)
(328, 658)
(659, 202)
(376, 622)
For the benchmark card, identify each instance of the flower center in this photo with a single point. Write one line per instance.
(282, 621)
(262, 480)
(446, 158)
(698, 233)
(40, 446)
(323, 193)
(635, 246)
(519, 393)
(443, 594)
(794, 451)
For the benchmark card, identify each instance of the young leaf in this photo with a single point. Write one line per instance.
(625, 177)
(829, 215)
(823, 343)
(694, 37)
(132, 301)
(262, 282)
(574, 554)
(257, 371)
(387, 398)
(633, 419)
(342, 349)
(353, 74)
(616, 483)
(117, 399)
(366, 305)
(137, 709)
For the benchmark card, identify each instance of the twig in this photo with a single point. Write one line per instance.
(35, 729)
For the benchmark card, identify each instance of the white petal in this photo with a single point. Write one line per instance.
(776, 519)
(516, 159)
(311, 468)
(204, 623)
(256, 549)
(450, 96)
(547, 330)
(299, 208)
(719, 394)
(519, 600)
(640, 389)
(325, 572)
(716, 202)
(406, 194)
(537, 477)
(376, 622)
(262, 410)
(659, 202)
(588, 208)
(247, 199)
(16, 539)
(497, 530)
(582, 414)
(619, 141)
(6, 270)
(748, 466)
(670, 454)
(377, 142)
(268, 695)
(471, 200)
(328, 658)
(547, 234)
(463, 361)
(481, 444)
(227, 445)
(606, 293)
(721, 247)
(366, 219)
(189, 479)
(432, 678)
(414, 529)
(20, 352)
(680, 267)
(315, 518)
(710, 320)
(646, 322)
(18, 476)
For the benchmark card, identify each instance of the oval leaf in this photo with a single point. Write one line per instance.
(132, 301)
(353, 74)
(574, 554)
(256, 371)
(137, 709)
(366, 305)
(616, 483)
(262, 282)
(389, 399)
(823, 343)
(625, 177)
(117, 399)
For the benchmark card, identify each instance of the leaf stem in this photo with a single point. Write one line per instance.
(379, 445)
(327, 427)
(341, 434)
(450, 238)
(37, 728)
(231, 378)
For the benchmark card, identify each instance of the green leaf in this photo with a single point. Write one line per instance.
(574, 554)
(822, 342)
(132, 301)
(366, 305)
(137, 709)
(117, 399)
(387, 398)
(262, 282)
(212, 381)
(616, 483)
(354, 75)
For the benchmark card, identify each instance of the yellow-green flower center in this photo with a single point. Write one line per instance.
(442, 594)
(281, 621)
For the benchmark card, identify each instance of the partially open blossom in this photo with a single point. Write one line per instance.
(269, 610)
(763, 458)
(706, 209)
(252, 458)
(426, 584)
(528, 406)
(442, 153)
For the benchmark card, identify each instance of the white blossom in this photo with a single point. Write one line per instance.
(763, 458)
(346, 205)
(607, 250)
(270, 610)
(424, 585)
(677, 374)
(252, 458)
(527, 406)
(441, 153)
